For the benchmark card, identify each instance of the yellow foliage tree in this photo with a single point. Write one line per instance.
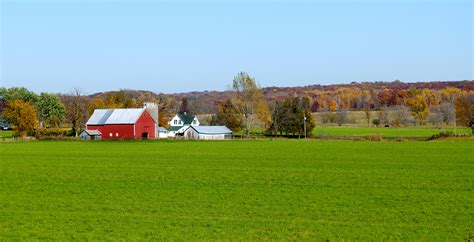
(248, 99)
(263, 112)
(22, 114)
(418, 107)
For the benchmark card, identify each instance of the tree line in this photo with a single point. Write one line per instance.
(246, 106)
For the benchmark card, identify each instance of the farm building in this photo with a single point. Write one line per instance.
(180, 122)
(162, 133)
(131, 123)
(207, 132)
(152, 109)
(91, 134)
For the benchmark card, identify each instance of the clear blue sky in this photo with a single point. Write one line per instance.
(178, 46)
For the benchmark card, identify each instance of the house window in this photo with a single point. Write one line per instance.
(110, 134)
(194, 122)
(116, 134)
(175, 121)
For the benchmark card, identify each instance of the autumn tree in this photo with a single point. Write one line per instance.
(95, 103)
(387, 97)
(166, 109)
(247, 98)
(332, 105)
(263, 113)
(418, 107)
(465, 110)
(228, 115)
(22, 114)
(117, 99)
(315, 106)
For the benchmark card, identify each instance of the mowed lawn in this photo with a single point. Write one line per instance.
(237, 190)
(385, 132)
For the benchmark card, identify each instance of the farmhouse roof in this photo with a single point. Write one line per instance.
(212, 129)
(115, 116)
(174, 128)
(91, 132)
(186, 118)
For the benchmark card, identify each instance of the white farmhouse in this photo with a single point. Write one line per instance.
(180, 122)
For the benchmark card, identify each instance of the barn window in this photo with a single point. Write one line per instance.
(116, 134)
(110, 134)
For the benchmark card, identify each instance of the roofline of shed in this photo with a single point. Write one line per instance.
(207, 133)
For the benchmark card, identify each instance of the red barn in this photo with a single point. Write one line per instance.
(129, 123)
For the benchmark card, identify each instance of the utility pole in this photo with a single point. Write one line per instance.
(304, 124)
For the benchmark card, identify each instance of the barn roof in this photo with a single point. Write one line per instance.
(115, 116)
(212, 129)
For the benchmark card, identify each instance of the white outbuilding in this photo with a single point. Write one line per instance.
(208, 133)
(88, 134)
(162, 133)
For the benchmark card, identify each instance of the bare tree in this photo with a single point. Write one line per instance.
(76, 109)
(342, 117)
(436, 116)
(365, 103)
(448, 111)
(383, 116)
(401, 115)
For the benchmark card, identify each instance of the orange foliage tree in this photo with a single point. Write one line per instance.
(332, 105)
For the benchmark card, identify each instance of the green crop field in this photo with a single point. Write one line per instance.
(384, 132)
(237, 190)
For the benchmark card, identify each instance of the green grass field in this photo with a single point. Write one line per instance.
(6, 133)
(384, 132)
(239, 190)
